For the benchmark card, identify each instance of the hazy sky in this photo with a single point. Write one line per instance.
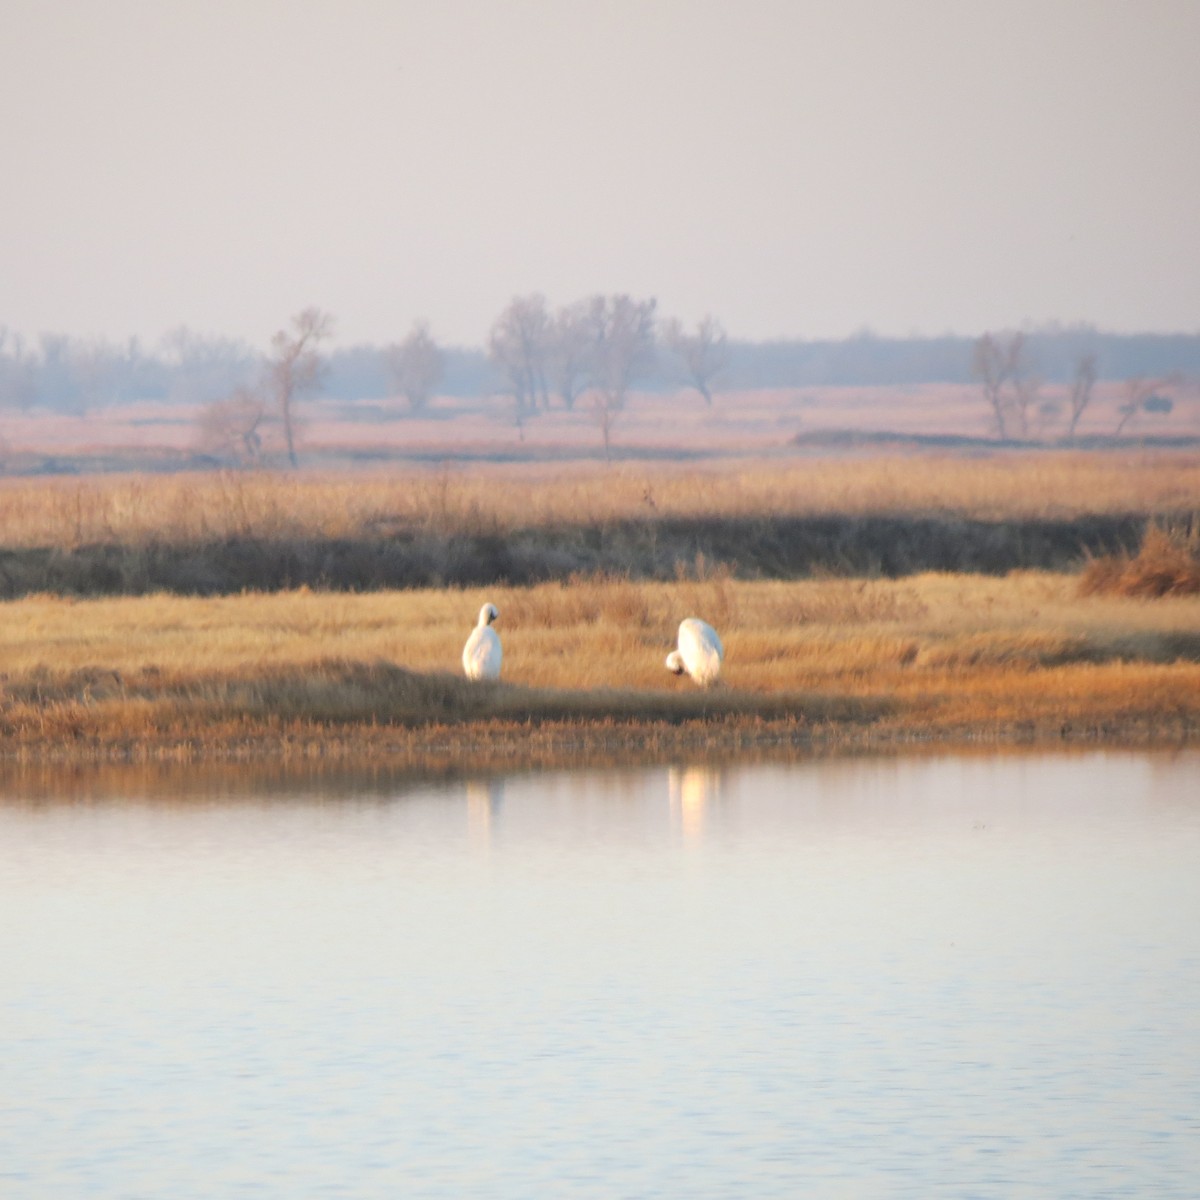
(798, 168)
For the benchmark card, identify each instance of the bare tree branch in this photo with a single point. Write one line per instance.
(623, 346)
(519, 344)
(703, 354)
(233, 427)
(999, 367)
(1081, 389)
(571, 352)
(295, 366)
(605, 416)
(417, 366)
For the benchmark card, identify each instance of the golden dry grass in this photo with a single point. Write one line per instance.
(377, 673)
(1166, 564)
(928, 657)
(498, 498)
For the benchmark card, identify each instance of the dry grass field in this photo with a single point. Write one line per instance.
(317, 674)
(144, 653)
(496, 499)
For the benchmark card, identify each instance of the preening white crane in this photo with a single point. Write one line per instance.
(482, 653)
(699, 652)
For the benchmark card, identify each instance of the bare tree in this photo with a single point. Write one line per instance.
(988, 365)
(998, 365)
(518, 344)
(1025, 387)
(1146, 395)
(417, 366)
(570, 352)
(622, 351)
(623, 348)
(1081, 389)
(605, 415)
(233, 427)
(295, 366)
(702, 354)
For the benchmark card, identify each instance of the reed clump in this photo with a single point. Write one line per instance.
(1167, 563)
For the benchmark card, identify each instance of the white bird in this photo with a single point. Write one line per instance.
(700, 652)
(482, 653)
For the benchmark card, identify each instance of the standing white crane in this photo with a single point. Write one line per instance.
(700, 652)
(482, 653)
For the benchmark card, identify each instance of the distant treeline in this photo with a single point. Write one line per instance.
(66, 374)
(1052, 355)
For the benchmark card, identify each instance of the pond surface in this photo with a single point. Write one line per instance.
(862, 977)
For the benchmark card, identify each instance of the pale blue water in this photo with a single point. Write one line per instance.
(914, 977)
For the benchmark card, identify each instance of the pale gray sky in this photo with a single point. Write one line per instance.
(800, 168)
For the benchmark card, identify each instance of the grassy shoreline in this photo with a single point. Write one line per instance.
(307, 676)
(1165, 714)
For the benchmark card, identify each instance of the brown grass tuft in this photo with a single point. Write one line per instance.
(1167, 564)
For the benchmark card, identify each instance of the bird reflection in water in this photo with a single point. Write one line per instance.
(484, 798)
(692, 790)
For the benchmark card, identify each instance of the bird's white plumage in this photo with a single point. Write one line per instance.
(699, 652)
(482, 653)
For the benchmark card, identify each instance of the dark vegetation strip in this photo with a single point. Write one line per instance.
(751, 548)
(162, 460)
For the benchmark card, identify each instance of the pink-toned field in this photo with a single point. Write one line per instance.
(747, 423)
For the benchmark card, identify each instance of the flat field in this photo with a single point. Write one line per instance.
(66, 511)
(307, 674)
(653, 424)
(129, 631)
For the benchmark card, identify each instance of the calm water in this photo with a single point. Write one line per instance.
(948, 976)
